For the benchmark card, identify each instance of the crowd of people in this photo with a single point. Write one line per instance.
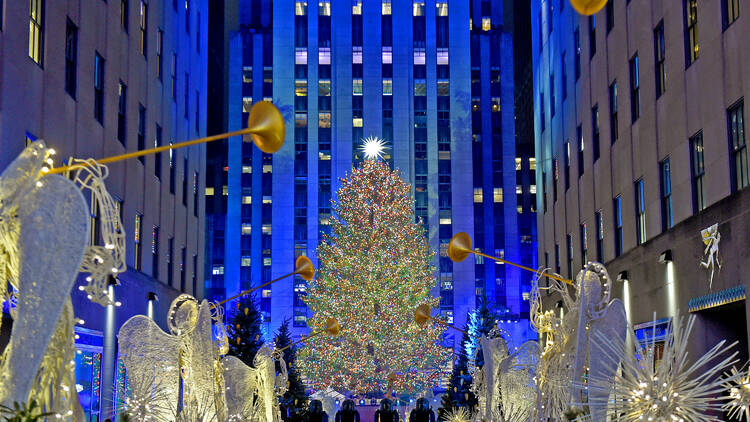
(386, 413)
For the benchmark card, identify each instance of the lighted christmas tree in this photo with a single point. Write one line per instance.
(375, 269)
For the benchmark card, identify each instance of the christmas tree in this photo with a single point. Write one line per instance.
(244, 332)
(295, 397)
(459, 387)
(375, 269)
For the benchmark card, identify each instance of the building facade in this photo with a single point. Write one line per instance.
(639, 132)
(101, 78)
(439, 92)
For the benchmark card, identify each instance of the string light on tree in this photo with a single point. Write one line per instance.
(375, 269)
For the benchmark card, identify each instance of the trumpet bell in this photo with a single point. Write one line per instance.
(332, 327)
(459, 247)
(588, 7)
(422, 314)
(266, 126)
(304, 267)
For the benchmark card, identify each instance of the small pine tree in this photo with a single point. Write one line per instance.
(459, 388)
(446, 405)
(244, 331)
(481, 322)
(295, 399)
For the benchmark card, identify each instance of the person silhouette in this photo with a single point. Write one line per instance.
(316, 412)
(422, 413)
(347, 413)
(386, 412)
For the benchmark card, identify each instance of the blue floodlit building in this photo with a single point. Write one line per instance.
(434, 79)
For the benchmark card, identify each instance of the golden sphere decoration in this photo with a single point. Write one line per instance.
(422, 314)
(247, 310)
(459, 247)
(588, 7)
(266, 125)
(332, 327)
(304, 267)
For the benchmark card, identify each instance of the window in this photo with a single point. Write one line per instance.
(617, 205)
(159, 53)
(584, 244)
(557, 258)
(124, 8)
(667, 219)
(157, 144)
(640, 212)
(691, 32)
(122, 106)
(137, 241)
(71, 57)
(197, 111)
(144, 27)
(172, 170)
(564, 77)
(141, 131)
(187, 93)
(99, 88)
(610, 11)
(183, 257)
(170, 261)
(155, 252)
(174, 76)
(635, 89)
(579, 135)
(542, 117)
(599, 236)
(196, 179)
(569, 241)
(737, 146)
(595, 131)
(187, 16)
(592, 35)
(731, 11)
(659, 67)
(698, 171)
(184, 181)
(577, 45)
(552, 95)
(613, 129)
(36, 30)
(567, 165)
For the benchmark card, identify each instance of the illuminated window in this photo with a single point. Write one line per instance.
(225, 190)
(247, 104)
(486, 23)
(324, 8)
(497, 195)
(532, 163)
(209, 190)
(357, 122)
(245, 261)
(387, 53)
(300, 56)
(137, 241)
(143, 27)
(442, 8)
(357, 87)
(357, 54)
(324, 156)
(267, 199)
(519, 189)
(217, 270)
(478, 195)
(324, 88)
(324, 119)
(247, 169)
(324, 55)
(532, 189)
(267, 261)
(266, 229)
(246, 228)
(266, 293)
(387, 86)
(300, 8)
(247, 200)
(386, 8)
(418, 8)
(518, 163)
(356, 7)
(300, 119)
(442, 56)
(36, 30)
(446, 220)
(267, 168)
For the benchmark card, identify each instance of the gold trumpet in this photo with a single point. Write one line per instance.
(460, 247)
(303, 267)
(265, 127)
(423, 314)
(332, 328)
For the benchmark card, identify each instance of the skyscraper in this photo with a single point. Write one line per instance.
(96, 79)
(439, 92)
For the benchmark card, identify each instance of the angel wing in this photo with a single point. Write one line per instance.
(240, 385)
(152, 360)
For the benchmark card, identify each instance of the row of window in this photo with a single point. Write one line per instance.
(739, 179)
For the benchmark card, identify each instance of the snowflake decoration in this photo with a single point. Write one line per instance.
(373, 147)
(459, 414)
(670, 389)
(738, 404)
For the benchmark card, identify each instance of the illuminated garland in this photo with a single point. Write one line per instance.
(375, 269)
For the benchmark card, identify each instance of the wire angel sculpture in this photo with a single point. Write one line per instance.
(667, 387)
(252, 393)
(185, 359)
(504, 384)
(711, 238)
(567, 359)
